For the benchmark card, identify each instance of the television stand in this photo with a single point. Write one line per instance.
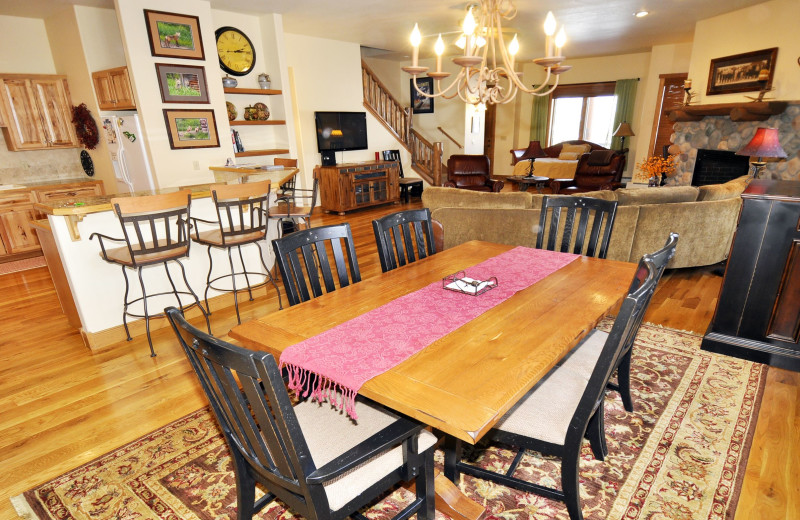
(346, 187)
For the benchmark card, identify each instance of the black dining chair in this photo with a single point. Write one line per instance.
(155, 232)
(304, 255)
(565, 406)
(316, 460)
(408, 186)
(580, 225)
(583, 360)
(242, 217)
(403, 237)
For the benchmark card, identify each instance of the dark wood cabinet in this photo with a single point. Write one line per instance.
(351, 186)
(758, 313)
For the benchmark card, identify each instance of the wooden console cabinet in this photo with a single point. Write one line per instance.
(758, 313)
(347, 187)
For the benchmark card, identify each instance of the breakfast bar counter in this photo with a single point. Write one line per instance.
(97, 288)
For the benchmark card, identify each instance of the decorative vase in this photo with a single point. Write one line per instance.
(653, 182)
(264, 80)
(250, 113)
(229, 82)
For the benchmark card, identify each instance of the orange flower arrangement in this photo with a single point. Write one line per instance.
(655, 167)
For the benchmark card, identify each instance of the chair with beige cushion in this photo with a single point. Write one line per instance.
(155, 232)
(566, 405)
(471, 172)
(317, 461)
(241, 221)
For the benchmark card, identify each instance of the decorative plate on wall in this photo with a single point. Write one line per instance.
(86, 163)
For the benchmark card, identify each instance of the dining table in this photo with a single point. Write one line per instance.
(465, 381)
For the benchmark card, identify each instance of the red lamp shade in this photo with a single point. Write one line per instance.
(764, 144)
(534, 151)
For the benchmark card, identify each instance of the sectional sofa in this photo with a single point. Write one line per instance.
(705, 218)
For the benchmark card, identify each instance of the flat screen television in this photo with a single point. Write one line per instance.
(339, 131)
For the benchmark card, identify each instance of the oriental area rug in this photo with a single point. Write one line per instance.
(680, 455)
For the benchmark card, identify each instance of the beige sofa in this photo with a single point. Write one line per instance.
(705, 218)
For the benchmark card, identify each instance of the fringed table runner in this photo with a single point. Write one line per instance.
(335, 364)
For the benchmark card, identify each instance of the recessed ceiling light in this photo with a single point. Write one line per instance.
(640, 14)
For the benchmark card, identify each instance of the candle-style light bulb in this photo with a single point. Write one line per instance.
(513, 49)
(416, 38)
(549, 30)
(550, 24)
(469, 28)
(439, 49)
(561, 39)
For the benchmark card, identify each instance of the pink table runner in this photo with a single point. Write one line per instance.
(335, 364)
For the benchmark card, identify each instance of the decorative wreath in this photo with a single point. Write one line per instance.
(85, 126)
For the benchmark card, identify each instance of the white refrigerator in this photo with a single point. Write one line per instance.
(128, 154)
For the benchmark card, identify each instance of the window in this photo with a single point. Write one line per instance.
(584, 111)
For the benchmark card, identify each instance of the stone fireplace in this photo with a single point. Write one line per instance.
(720, 133)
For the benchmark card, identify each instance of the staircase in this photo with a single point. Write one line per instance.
(426, 157)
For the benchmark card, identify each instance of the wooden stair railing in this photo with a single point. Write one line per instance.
(380, 102)
(426, 157)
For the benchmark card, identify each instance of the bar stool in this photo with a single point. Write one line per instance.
(155, 233)
(287, 184)
(297, 206)
(242, 217)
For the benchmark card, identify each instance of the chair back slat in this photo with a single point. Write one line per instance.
(564, 223)
(393, 236)
(316, 246)
(258, 420)
(155, 226)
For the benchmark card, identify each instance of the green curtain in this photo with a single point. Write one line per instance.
(539, 112)
(625, 90)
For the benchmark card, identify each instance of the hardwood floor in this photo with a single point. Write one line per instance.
(63, 405)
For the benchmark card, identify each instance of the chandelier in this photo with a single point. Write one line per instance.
(487, 74)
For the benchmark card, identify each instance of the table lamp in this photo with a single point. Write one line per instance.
(533, 152)
(623, 130)
(764, 144)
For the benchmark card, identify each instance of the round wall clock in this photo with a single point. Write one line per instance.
(236, 53)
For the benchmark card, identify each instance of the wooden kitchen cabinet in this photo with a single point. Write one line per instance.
(113, 89)
(351, 186)
(36, 112)
(66, 191)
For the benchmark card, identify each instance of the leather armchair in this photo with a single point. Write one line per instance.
(471, 172)
(596, 170)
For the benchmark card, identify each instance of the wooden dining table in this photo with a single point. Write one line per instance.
(463, 383)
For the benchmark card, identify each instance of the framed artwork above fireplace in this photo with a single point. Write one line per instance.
(747, 72)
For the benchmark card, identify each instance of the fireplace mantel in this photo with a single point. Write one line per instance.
(752, 111)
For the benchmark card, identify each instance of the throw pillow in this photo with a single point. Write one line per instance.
(600, 157)
(568, 156)
(579, 149)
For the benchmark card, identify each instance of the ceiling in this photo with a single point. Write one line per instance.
(594, 27)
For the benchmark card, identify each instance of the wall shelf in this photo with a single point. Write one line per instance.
(254, 153)
(259, 91)
(244, 122)
(754, 111)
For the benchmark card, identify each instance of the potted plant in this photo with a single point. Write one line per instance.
(656, 169)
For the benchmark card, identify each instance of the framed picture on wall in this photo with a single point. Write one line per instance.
(191, 128)
(746, 72)
(182, 83)
(174, 35)
(422, 104)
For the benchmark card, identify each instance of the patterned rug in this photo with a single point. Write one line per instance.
(22, 265)
(681, 455)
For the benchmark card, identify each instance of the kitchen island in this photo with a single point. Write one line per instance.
(92, 290)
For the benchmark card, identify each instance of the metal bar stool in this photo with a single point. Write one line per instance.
(242, 217)
(295, 206)
(155, 232)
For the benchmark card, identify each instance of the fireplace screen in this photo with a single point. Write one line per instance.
(718, 166)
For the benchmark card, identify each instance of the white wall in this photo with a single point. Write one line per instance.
(25, 46)
(771, 24)
(327, 77)
(172, 167)
(100, 36)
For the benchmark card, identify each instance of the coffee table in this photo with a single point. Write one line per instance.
(525, 181)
